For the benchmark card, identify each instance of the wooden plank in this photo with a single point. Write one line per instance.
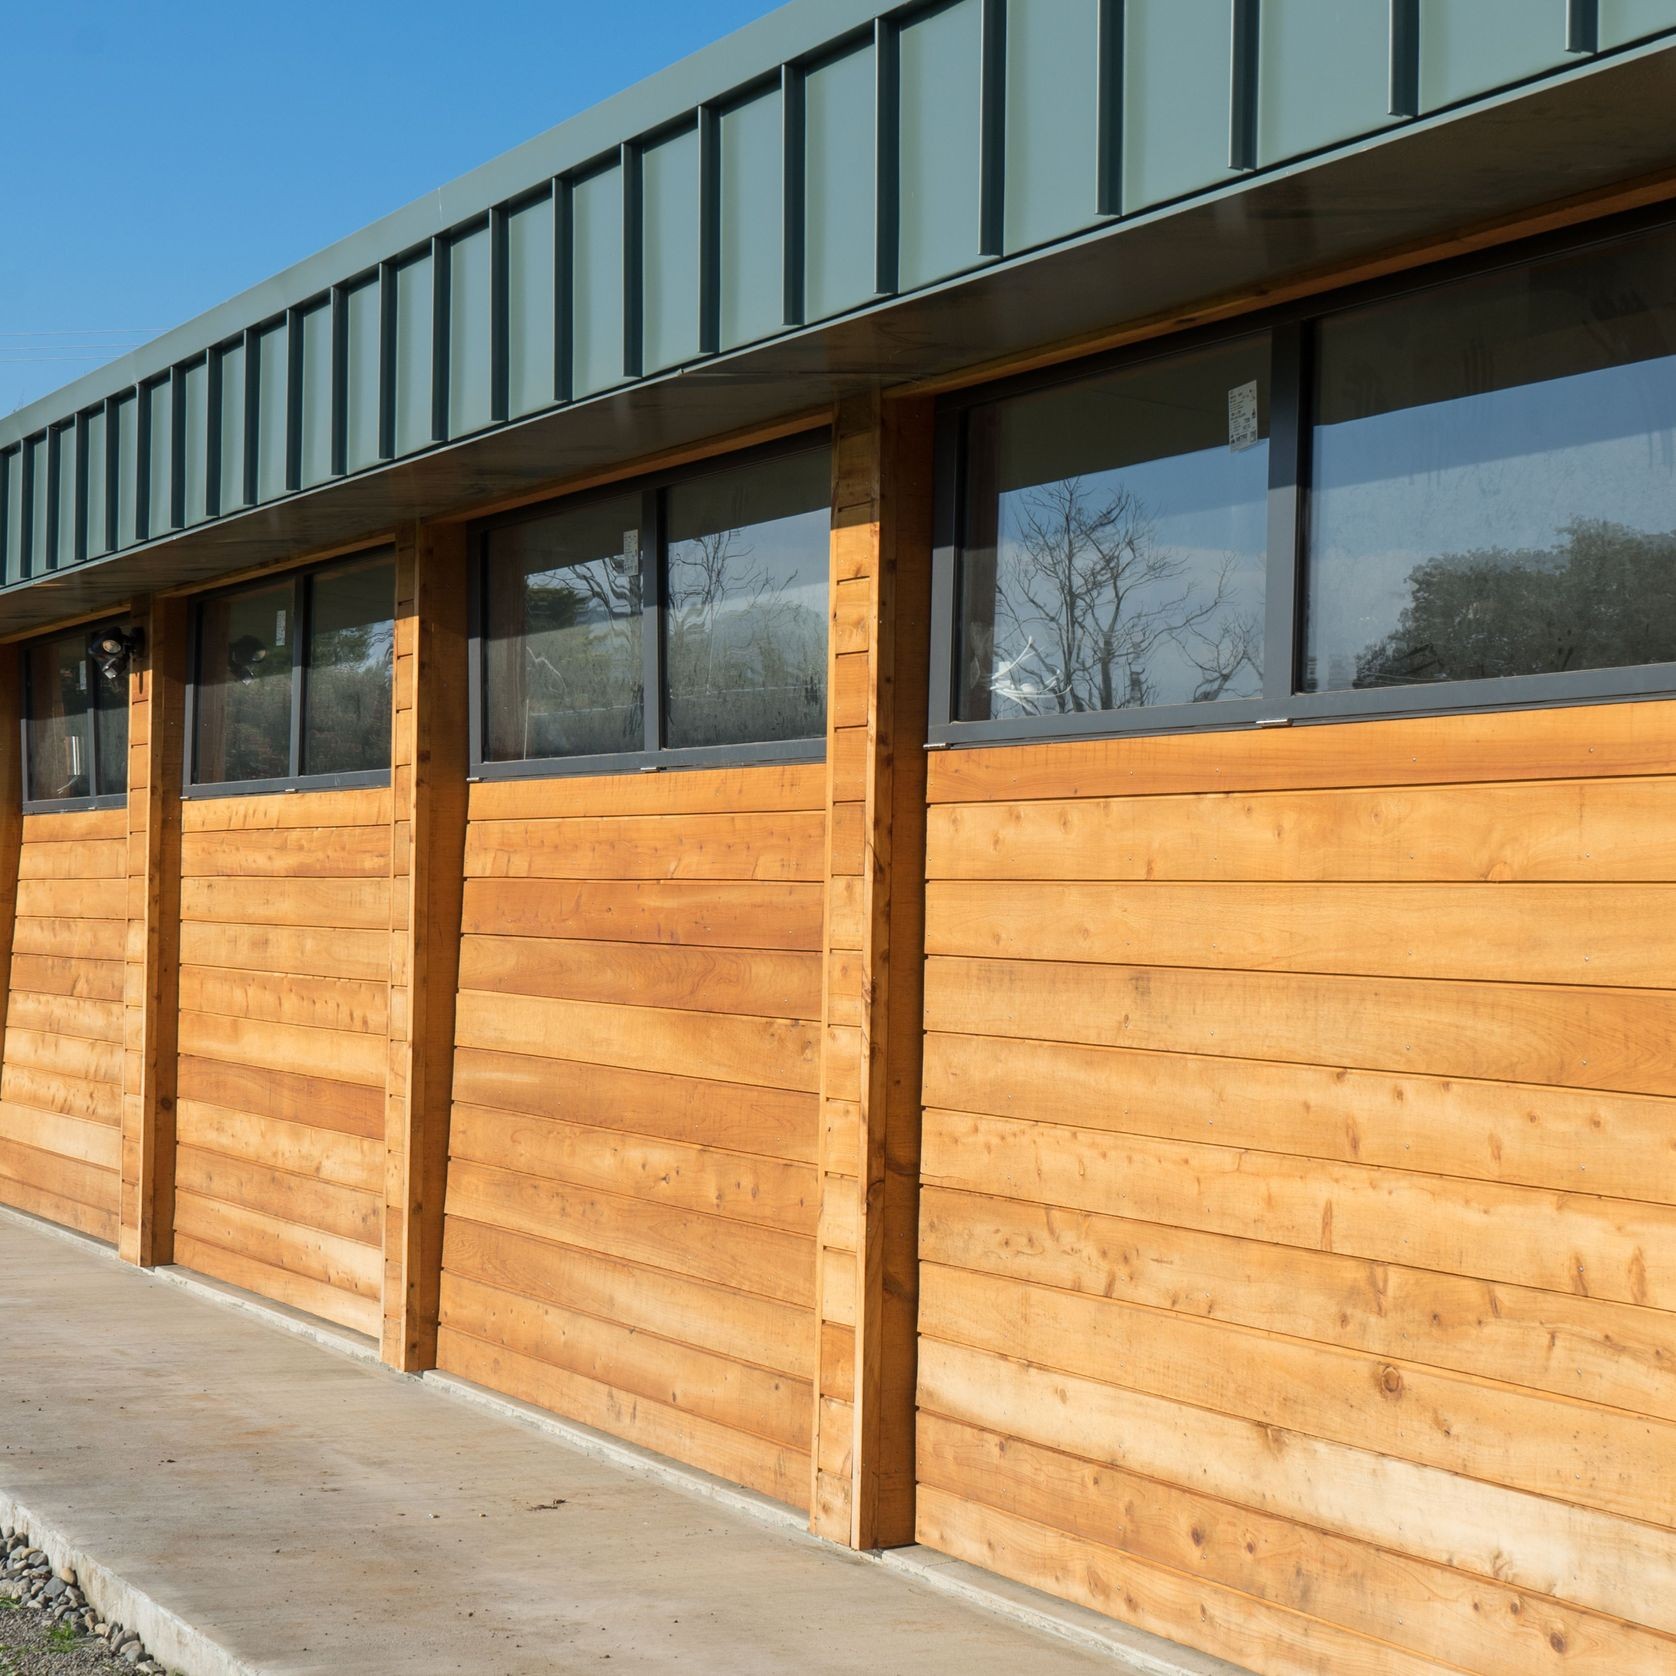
(77, 939)
(75, 826)
(1620, 1145)
(354, 904)
(52, 974)
(300, 1201)
(297, 951)
(1225, 1622)
(81, 1139)
(766, 983)
(1579, 1452)
(268, 812)
(760, 1260)
(66, 1015)
(695, 1382)
(346, 1265)
(1571, 1037)
(762, 1331)
(343, 1055)
(1430, 1610)
(72, 1179)
(327, 1155)
(1600, 1248)
(49, 1052)
(773, 1469)
(1599, 741)
(288, 853)
(70, 899)
(84, 858)
(847, 701)
(782, 786)
(720, 913)
(284, 1285)
(52, 1091)
(778, 1123)
(1577, 831)
(98, 1222)
(290, 1096)
(772, 1053)
(1527, 1542)
(760, 1191)
(355, 1004)
(1551, 933)
(1585, 1349)
(771, 845)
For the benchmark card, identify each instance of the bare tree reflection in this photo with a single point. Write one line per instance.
(1088, 600)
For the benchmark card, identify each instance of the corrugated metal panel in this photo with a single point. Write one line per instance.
(415, 333)
(160, 480)
(127, 470)
(597, 285)
(272, 367)
(940, 67)
(98, 464)
(64, 496)
(1466, 50)
(12, 489)
(821, 161)
(529, 306)
(362, 407)
(1624, 21)
(752, 251)
(839, 116)
(315, 418)
(669, 195)
(231, 422)
(1053, 119)
(469, 359)
(1325, 72)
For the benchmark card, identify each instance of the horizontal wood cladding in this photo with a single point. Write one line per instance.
(284, 1004)
(1298, 1215)
(632, 1196)
(61, 1072)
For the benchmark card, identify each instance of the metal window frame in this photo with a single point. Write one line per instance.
(90, 734)
(656, 755)
(300, 580)
(1290, 330)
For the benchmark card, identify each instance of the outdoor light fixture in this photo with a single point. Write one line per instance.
(113, 650)
(244, 657)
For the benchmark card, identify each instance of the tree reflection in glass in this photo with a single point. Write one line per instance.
(1494, 476)
(1115, 540)
(563, 653)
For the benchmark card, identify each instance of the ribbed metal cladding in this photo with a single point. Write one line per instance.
(888, 150)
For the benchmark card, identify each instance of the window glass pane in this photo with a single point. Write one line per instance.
(1495, 476)
(1115, 540)
(58, 677)
(110, 727)
(244, 687)
(563, 653)
(351, 641)
(746, 593)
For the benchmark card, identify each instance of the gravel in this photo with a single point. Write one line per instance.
(47, 1625)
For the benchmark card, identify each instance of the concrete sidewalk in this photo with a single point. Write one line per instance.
(277, 1507)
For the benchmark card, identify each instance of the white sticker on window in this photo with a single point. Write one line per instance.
(81, 676)
(279, 628)
(629, 563)
(1242, 417)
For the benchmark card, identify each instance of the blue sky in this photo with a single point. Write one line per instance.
(156, 159)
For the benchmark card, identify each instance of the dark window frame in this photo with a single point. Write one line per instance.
(90, 734)
(655, 755)
(301, 617)
(1283, 704)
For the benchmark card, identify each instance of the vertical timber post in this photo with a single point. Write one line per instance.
(151, 957)
(427, 864)
(862, 1492)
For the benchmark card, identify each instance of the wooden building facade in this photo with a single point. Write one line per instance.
(1024, 898)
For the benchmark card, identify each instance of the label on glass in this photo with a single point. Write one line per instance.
(279, 628)
(1242, 417)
